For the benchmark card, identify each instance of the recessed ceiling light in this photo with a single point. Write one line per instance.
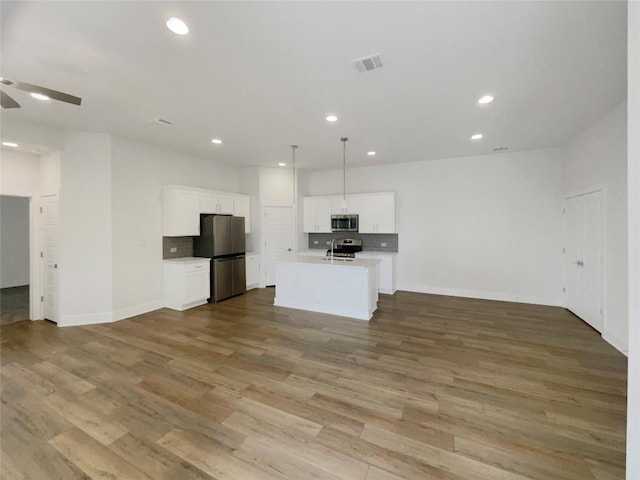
(217, 141)
(282, 164)
(177, 26)
(371, 154)
(486, 99)
(476, 136)
(331, 118)
(9, 144)
(39, 96)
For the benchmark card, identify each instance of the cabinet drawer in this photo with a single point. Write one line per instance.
(196, 267)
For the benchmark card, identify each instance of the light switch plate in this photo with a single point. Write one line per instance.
(383, 244)
(315, 242)
(174, 249)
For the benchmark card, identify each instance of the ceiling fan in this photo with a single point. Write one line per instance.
(38, 92)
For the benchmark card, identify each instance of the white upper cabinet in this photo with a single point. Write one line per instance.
(376, 212)
(215, 202)
(316, 214)
(242, 208)
(182, 207)
(181, 212)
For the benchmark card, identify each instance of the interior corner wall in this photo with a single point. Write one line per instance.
(598, 157)
(14, 241)
(487, 226)
(138, 172)
(85, 232)
(633, 162)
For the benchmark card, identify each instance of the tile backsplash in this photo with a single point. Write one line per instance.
(183, 246)
(372, 242)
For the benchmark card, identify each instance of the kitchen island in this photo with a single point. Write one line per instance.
(340, 286)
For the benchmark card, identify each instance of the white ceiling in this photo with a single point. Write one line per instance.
(263, 75)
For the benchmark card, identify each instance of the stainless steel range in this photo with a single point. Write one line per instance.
(345, 247)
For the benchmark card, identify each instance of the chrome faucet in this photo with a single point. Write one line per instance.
(333, 241)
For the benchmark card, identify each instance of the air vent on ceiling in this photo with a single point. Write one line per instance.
(500, 149)
(367, 64)
(161, 121)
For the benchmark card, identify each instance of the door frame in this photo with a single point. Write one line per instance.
(603, 227)
(263, 236)
(35, 260)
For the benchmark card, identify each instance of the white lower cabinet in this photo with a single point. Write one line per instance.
(186, 282)
(386, 270)
(252, 262)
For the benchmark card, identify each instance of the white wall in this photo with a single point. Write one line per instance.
(50, 173)
(138, 172)
(14, 241)
(19, 173)
(85, 253)
(633, 119)
(250, 185)
(487, 226)
(598, 157)
(276, 186)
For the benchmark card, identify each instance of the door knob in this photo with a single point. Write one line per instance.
(288, 249)
(55, 265)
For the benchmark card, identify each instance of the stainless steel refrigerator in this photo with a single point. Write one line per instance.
(222, 239)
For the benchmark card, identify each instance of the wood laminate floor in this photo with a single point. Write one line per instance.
(433, 387)
(14, 304)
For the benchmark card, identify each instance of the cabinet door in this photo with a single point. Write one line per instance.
(364, 206)
(385, 207)
(339, 205)
(309, 224)
(225, 204)
(323, 214)
(242, 208)
(196, 285)
(208, 203)
(185, 216)
(253, 271)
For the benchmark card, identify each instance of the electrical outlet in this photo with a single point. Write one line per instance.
(328, 242)
(315, 242)
(174, 249)
(383, 244)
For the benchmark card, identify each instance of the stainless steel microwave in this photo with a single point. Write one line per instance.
(344, 223)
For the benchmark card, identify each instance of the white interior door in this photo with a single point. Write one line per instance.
(279, 238)
(50, 257)
(584, 257)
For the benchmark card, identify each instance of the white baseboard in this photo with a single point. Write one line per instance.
(77, 320)
(616, 341)
(137, 310)
(481, 294)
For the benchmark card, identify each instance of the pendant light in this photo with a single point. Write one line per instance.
(293, 163)
(344, 173)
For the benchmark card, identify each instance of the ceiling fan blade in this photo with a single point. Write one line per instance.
(54, 94)
(7, 102)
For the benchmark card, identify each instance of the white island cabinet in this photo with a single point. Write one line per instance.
(348, 287)
(186, 282)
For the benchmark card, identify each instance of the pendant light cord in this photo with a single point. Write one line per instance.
(344, 168)
(293, 162)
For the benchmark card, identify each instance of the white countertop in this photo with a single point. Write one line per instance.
(335, 262)
(319, 252)
(187, 260)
